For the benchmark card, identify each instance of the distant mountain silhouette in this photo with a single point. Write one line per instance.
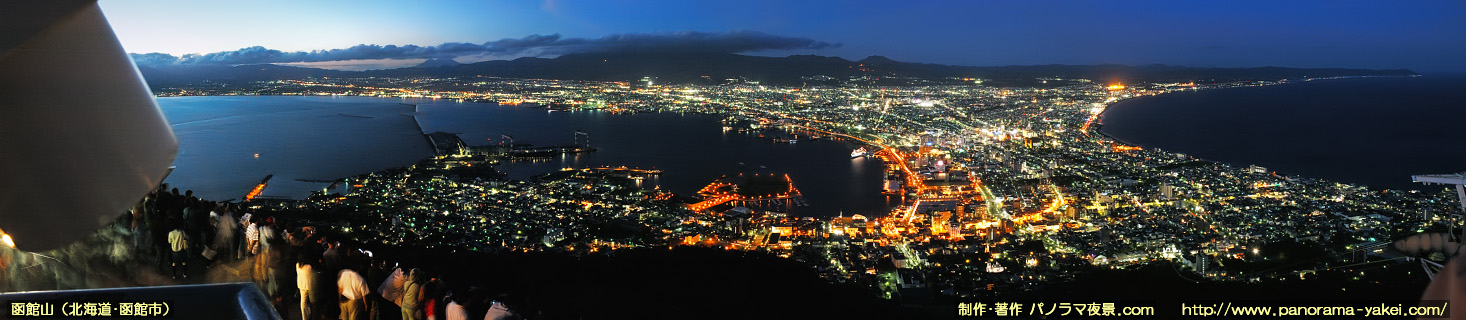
(173, 76)
(437, 62)
(874, 60)
(716, 67)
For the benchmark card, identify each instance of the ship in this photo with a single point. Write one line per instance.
(260, 188)
(858, 152)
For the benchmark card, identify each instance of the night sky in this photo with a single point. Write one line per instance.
(1426, 36)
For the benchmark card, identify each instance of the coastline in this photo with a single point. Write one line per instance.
(427, 122)
(1218, 174)
(1105, 136)
(1106, 108)
(1098, 130)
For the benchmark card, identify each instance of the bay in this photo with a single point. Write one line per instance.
(326, 138)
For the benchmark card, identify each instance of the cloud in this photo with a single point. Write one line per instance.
(358, 65)
(533, 45)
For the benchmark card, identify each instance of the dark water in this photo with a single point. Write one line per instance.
(308, 138)
(296, 138)
(1372, 131)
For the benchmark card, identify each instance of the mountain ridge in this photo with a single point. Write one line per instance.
(715, 67)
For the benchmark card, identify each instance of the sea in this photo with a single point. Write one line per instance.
(229, 143)
(1375, 132)
(1368, 131)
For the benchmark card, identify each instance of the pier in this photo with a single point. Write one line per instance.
(546, 152)
(623, 171)
(750, 190)
(426, 136)
(445, 143)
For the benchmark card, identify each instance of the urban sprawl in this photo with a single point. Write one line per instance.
(998, 189)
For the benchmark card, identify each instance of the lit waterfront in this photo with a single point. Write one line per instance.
(1005, 186)
(318, 144)
(1313, 129)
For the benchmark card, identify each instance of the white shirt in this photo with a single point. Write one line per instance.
(251, 232)
(225, 223)
(498, 312)
(455, 312)
(352, 285)
(304, 276)
(265, 234)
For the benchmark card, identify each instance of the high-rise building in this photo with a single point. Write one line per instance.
(928, 139)
(1201, 264)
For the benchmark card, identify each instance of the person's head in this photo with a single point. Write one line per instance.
(509, 302)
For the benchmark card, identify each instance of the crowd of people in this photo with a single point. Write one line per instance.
(333, 278)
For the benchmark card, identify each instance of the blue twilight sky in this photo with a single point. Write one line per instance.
(1427, 36)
